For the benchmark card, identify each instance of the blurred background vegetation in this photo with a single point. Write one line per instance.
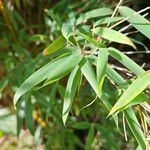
(25, 30)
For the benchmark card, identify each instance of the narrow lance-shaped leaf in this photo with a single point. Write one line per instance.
(132, 91)
(89, 74)
(52, 70)
(126, 61)
(28, 116)
(137, 21)
(90, 138)
(107, 20)
(67, 32)
(55, 45)
(101, 67)
(93, 14)
(130, 115)
(135, 127)
(98, 13)
(70, 92)
(113, 35)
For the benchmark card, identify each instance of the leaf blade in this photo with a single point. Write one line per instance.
(113, 35)
(58, 68)
(132, 91)
(70, 92)
(137, 21)
(55, 45)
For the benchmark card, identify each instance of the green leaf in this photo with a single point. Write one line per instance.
(52, 71)
(101, 67)
(28, 116)
(137, 21)
(135, 127)
(89, 38)
(132, 91)
(116, 77)
(89, 74)
(126, 61)
(67, 30)
(130, 116)
(81, 125)
(113, 35)
(98, 13)
(107, 20)
(70, 92)
(55, 45)
(89, 139)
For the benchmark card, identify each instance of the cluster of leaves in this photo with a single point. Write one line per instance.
(75, 71)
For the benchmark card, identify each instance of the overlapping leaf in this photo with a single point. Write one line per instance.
(132, 91)
(136, 20)
(70, 92)
(55, 45)
(101, 67)
(53, 70)
(113, 35)
(126, 61)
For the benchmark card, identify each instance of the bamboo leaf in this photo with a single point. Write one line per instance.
(89, 74)
(89, 38)
(107, 20)
(130, 115)
(55, 45)
(137, 21)
(52, 70)
(126, 61)
(28, 116)
(70, 92)
(101, 67)
(113, 35)
(135, 127)
(98, 13)
(132, 91)
(90, 138)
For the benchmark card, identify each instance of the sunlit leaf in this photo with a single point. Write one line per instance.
(130, 116)
(137, 21)
(113, 35)
(98, 13)
(55, 45)
(52, 70)
(126, 61)
(139, 85)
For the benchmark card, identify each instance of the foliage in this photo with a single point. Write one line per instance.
(68, 93)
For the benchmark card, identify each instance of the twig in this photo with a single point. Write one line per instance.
(115, 11)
